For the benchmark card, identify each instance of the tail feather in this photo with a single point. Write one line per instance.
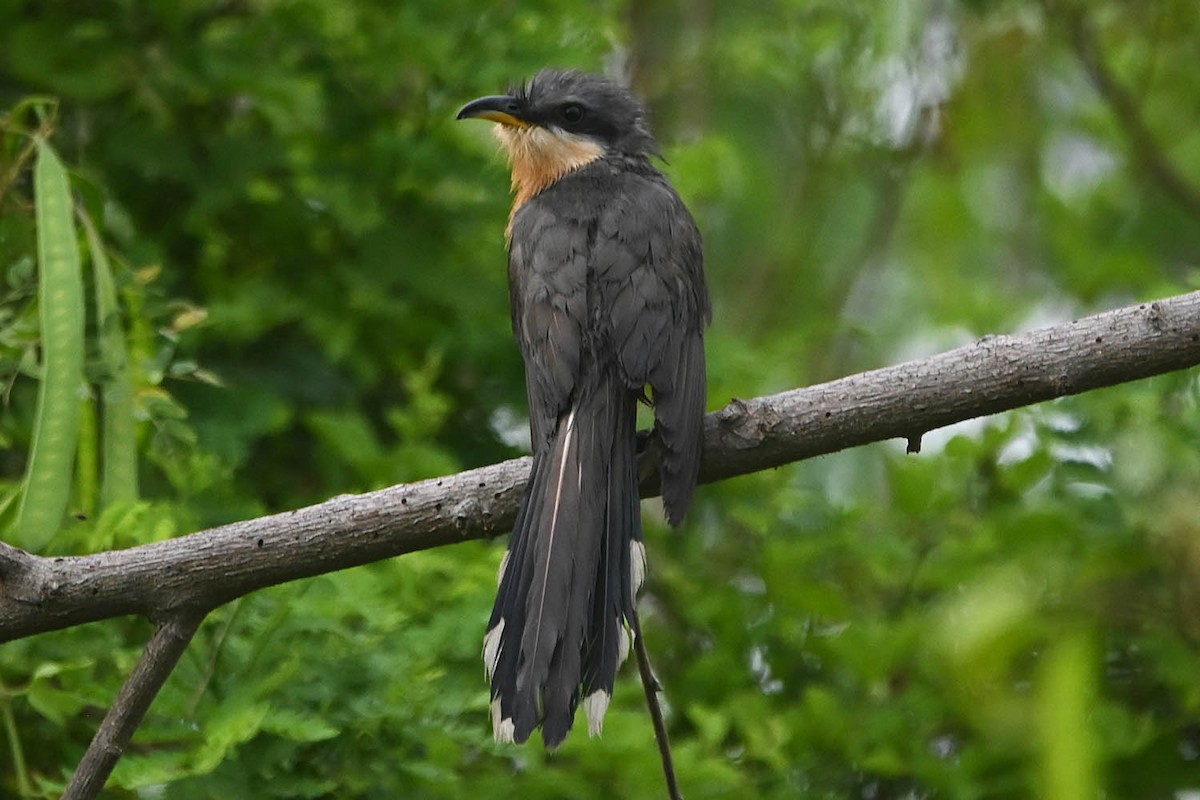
(553, 572)
(561, 693)
(500, 657)
(565, 592)
(612, 602)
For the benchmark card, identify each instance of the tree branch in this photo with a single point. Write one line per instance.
(162, 652)
(195, 573)
(996, 373)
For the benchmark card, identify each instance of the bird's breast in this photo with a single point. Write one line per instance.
(539, 157)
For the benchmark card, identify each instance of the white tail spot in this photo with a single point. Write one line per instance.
(503, 567)
(637, 568)
(502, 729)
(622, 643)
(491, 649)
(595, 705)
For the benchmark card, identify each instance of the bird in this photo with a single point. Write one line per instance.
(609, 306)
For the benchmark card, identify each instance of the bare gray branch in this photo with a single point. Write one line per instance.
(201, 571)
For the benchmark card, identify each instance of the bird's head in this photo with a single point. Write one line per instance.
(562, 120)
(571, 105)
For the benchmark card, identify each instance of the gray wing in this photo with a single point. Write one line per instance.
(649, 270)
(547, 272)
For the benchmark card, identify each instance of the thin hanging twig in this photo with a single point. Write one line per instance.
(652, 687)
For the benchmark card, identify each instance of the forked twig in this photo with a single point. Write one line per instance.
(163, 651)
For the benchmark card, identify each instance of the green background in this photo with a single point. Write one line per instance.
(308, 253)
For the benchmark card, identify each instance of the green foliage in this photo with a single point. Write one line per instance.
(296, 260)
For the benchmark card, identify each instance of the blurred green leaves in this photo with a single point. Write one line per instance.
(298, 271)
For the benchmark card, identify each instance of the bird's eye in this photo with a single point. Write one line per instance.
(572, 112)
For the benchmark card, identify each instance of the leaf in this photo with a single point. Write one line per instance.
(53, 703)
(713, 724)
(60, 306)
(149, 769)
(234, 725)
(298, 727)
(53, 697)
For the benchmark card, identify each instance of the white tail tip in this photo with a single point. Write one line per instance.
(491, 649)
(502, 729)
(595, 706)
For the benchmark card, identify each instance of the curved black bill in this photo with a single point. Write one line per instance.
(496, 108)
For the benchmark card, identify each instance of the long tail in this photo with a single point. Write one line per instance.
(558, 631)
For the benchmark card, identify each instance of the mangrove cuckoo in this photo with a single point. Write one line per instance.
(608, 297)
